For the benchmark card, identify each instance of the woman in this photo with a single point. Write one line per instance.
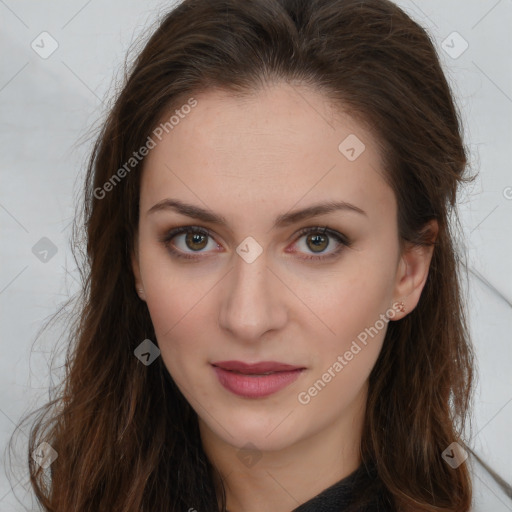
(271, 314)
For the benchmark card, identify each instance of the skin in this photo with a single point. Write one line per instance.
(251, 159)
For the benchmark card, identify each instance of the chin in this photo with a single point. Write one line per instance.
(268, 433)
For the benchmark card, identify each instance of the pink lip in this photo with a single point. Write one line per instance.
(247, 380)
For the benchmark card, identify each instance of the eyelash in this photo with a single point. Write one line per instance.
(341, 239)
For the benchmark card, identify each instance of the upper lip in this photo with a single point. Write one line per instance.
(256, 368)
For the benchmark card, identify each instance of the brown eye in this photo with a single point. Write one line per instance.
(186, 240)
(317, 242)
(196, 241)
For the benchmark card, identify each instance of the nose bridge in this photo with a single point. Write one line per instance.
(253, 301)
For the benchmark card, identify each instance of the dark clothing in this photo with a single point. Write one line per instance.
(360, 491)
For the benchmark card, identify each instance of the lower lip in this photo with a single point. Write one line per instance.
(255, 386)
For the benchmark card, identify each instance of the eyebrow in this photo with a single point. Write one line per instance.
(283, 220)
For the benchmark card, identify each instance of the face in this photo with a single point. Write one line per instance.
(233, 273)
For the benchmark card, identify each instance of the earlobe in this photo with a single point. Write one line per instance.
(413, 271)
(137, 277)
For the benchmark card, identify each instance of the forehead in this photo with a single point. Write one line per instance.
(281, 147)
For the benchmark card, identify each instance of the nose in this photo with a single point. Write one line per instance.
(253, 301)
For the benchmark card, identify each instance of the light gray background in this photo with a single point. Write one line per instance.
(48, 107)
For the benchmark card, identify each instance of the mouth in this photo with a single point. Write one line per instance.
(255, 380)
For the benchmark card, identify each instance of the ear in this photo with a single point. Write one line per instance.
(139, 287)
(412, 272)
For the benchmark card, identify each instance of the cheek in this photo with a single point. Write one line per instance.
(176, 300)
(179, 325)
(170, 294)
(348, 350)
(347, 302)
(351, 332)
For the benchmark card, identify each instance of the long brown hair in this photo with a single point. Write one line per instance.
(126, 438)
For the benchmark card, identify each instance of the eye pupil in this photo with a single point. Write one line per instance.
(320, 242)
(196, 238)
